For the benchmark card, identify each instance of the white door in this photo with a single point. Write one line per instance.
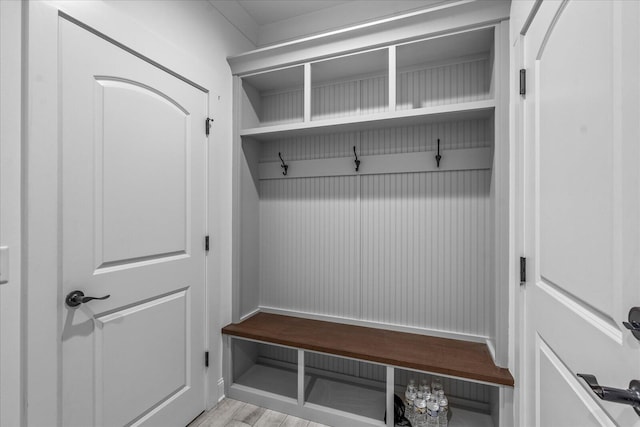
(133, 223)
(582, 144)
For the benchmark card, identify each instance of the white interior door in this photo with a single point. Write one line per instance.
(582, 143)
(133, 223)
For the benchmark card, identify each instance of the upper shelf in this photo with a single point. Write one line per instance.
(462, 111)
(438, 78)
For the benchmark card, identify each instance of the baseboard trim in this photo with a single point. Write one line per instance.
(378, 325)
(251, 313)
(221, 389)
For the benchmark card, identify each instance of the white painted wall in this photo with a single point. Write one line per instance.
(190, 38)
(10, 220)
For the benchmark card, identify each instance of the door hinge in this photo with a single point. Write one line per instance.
(206, 243)
(207, 126)
(523, 270)
(206, 359)
(523, 81)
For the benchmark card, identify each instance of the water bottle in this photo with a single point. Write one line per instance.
(432, 411)
(420, 410)
(410, 395)
(443, 402)
(436, 386)
(424, 387)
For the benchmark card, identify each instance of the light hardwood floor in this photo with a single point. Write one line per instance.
(233, 413)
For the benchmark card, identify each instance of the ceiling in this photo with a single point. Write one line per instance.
(268, 22)
(270, 11)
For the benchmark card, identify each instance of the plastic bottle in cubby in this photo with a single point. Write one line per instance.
(432, 411)
(409, 395)
(420, 410)
(443, 411)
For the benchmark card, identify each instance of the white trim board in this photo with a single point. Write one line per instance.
(452, 160)
(377, 325)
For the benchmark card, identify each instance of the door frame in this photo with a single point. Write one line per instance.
(522, 14)
(42, 286)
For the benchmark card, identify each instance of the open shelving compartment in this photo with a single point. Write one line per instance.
(354, 387)
(273, 98)
(468, 406)
(452, 69)
(402, 242)
(350, 85)
(269, 368)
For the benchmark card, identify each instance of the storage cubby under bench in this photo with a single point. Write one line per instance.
(326, 396)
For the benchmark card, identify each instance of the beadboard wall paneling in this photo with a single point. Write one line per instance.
(426, 250)
(282, 107)
(453, 135)
(350, 98)
(406, 249)
(310, 245)
(441, 85)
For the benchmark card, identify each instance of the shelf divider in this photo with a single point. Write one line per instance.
(300, 377)
(390, 394)
(307, 92)
(392, 78)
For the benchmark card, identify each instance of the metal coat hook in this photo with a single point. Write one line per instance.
(356, 161)
(438, 156)
(284, 166)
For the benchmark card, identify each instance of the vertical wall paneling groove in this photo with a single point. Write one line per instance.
(350, 98)
(396, 270)
(282, 107)
(447, 84)
(412, 242)
(309, 245)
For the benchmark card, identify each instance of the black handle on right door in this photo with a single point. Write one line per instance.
(634, 322)
(75, 298)
(630, 396)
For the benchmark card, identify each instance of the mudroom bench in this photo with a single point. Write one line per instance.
(306, 368)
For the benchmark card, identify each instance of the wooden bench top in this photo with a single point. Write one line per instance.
(457, 358)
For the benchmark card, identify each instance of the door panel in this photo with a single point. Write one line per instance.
(582, 235)
(576, 156)
(154, 330)
(562, 391)
(141, 166)
(133, 221)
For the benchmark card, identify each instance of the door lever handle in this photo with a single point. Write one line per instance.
(632, 326)
(630, 396)
(75, 298)
(634, 322)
